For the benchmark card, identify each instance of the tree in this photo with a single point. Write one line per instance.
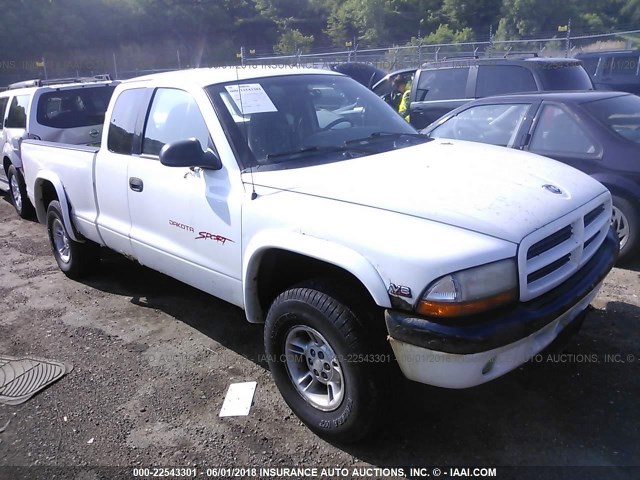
(444, 34)
(477, 15)
(529, 18)
(364, 20)
(292, 41)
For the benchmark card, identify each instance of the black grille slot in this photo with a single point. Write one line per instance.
(592, 215)
(544, 271)
(588, 242)
(551, 241)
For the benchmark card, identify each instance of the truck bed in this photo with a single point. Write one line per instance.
(74, 166)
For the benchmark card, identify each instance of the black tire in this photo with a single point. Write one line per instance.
(75, 259)
(625, 221)
(18, 192)
(360, 373)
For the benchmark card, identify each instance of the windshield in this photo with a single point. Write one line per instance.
(620, 114)
(564, 76)
(314, 118)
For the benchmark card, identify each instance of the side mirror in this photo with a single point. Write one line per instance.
(188, 153)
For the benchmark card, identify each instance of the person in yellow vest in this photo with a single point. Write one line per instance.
(403, 108)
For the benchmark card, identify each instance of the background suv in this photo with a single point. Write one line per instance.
(443, 86)
(67, 110)
(613, 70)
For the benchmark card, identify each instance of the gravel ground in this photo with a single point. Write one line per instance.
(152, 360)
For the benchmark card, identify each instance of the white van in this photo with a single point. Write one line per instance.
(66, 110)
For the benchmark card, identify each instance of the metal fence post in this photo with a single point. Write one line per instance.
(566, 54)
(115, 67)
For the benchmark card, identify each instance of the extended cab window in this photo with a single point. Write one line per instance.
(444, 84)
(17, 117)
(494, 124)
(3, 107)
(74, 108)
(501, 79)
(174, 116)
(123, 121)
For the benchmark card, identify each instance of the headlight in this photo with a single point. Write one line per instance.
(471, 291)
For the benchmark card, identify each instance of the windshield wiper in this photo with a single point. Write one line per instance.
(310, 150)
(375, 136)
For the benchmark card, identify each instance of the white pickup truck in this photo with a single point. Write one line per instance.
(304, 199)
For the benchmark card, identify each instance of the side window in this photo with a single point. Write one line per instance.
(17, 117)
(493, 124)
(624, 65)
(123, 121)
(590, 65)
(557, 131)
(174, 116)
(606, 62)
(3, 107)
(383, 88)
(444, 84)
(501, 79)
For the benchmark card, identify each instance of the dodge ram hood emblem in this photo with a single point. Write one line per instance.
(552, 189)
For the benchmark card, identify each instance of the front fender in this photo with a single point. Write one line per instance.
(334, 254)
(44, 177)
(8, 152)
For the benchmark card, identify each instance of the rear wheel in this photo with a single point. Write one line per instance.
(324, 364)
(75, 259)
(625, 222)
(18, 191)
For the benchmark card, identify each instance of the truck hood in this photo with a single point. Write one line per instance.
(491, 190)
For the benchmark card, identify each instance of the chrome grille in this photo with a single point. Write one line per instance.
(550, 255)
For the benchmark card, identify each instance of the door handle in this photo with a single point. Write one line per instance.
(136, 184)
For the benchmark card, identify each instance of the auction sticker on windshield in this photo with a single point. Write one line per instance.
(251, 98)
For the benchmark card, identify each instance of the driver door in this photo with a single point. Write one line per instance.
(185, 222)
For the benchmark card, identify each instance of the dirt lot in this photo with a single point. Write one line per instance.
(153, 360)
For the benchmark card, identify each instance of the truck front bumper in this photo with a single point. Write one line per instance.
(470, 351)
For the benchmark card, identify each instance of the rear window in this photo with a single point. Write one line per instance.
(81, 107)
(444, 84)
(502, 79)
(619, 114)
(563, 76)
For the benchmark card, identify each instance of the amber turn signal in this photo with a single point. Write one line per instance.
(460, 309)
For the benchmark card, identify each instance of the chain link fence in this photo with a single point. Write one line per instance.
(411, 56)
(133, 61)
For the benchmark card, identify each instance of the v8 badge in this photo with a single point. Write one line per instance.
(399, 291)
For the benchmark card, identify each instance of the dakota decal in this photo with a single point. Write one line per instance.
(181, 226)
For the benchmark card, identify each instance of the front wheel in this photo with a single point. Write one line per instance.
(75, 259)
(625, 222)
(323, 365)
(18, 191)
